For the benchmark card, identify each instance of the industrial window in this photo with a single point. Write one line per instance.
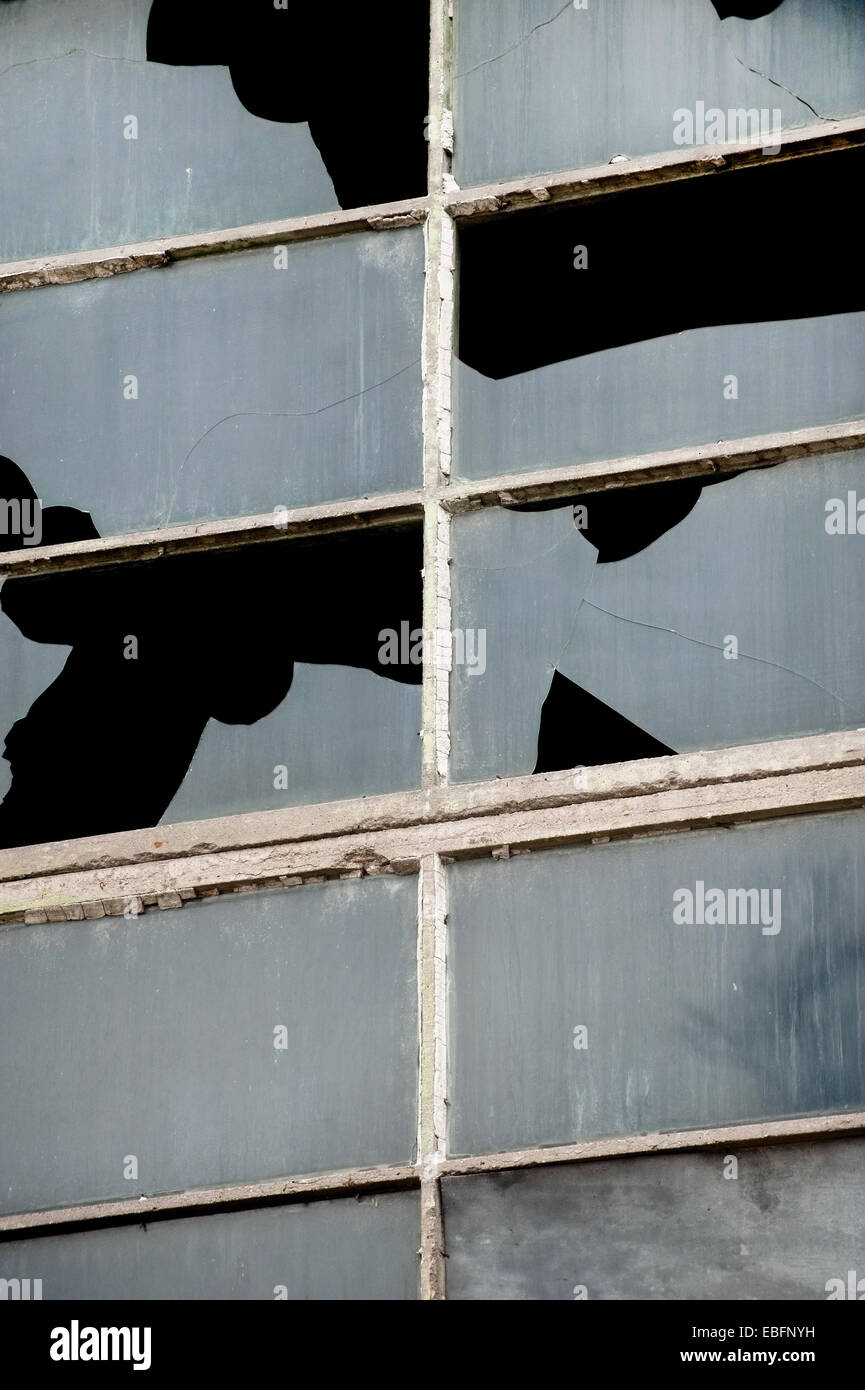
(432, 680)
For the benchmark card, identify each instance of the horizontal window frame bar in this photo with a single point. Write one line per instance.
(319, 821)
(234, 533)
(481, 202)
(394, 834)
(475, 202)
(456, 497)
(665, 465)
(211, 1201)
(345, 1183)
(102, 263)
(832, 1126)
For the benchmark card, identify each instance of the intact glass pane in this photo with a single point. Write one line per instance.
(773, 1224)
(688, 313)
(227, 386)
(668, 983)
(544, 85)
(240, 1037)
(359, 1248)
(661, 619)
(210, 684)
(131, 119)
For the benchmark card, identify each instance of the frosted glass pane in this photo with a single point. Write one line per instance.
(782, 1225)
(680, 617)
(590, 995)
(240, 1037)
(228, 386)
(572, 412)
(541, 85)
(351, 1249)
(131, 119)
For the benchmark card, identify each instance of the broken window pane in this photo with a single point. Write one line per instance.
(362, 1247)
(210, 684)
(545, 85)
(661, 619)
(755, 1224)
(662, 317)
(250, 1036)
(667, 983)
(228, 386)
(145, 118)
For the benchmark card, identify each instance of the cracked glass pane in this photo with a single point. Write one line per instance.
(662, 317)
(210, 684)
(266, 1034)
(228, 386)
(755, 1224)
(133, 119)
(661, 619)
(359, 1248)
(667, 983)
(541, 85)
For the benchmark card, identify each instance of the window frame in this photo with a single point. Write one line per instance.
(420, 832)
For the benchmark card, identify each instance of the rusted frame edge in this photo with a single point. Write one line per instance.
(692, 461)
(483, 201)
(104, 262)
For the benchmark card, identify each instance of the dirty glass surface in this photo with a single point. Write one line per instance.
(360, 1248)
(210, 684)
(660, 619)
(126, 120)
(674, 389)
(249, 1036)
(777, 1225)
(103, 147)
(545, 85)
(222, 387)
(674, 982)
(663, 317)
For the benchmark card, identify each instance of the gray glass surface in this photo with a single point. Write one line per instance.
(665, 1227)
(648, 635)
(662, 393)
(78, 174)
(156, 1039)
(339, 733)
(544, 85)
(685, 1025)
(222, 387)
(361, 1248)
